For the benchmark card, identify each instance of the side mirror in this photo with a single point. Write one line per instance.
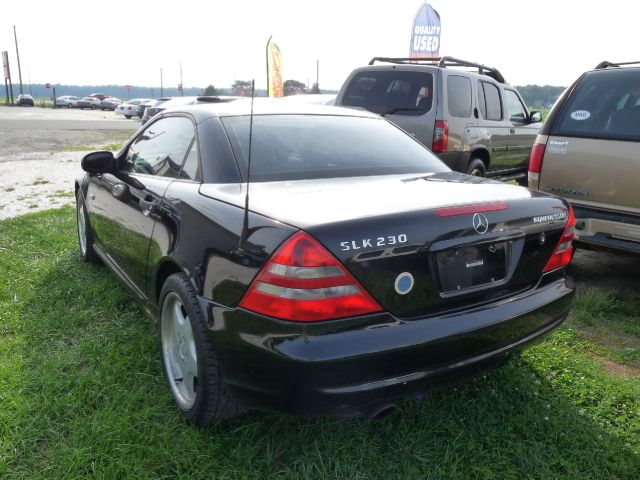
(99, 162)
(535, 117)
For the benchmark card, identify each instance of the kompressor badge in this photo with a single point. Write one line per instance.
(552, 217)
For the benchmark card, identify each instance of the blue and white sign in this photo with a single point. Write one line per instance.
(425, 35)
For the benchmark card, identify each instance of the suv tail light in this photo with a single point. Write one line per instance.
(535, 164)
(562, 254)
(440, 137)
(303, 282)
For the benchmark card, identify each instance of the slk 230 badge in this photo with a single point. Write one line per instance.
(387, 241)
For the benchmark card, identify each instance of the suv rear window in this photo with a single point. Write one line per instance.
(391, 92)
(295, 147)
(605, 104)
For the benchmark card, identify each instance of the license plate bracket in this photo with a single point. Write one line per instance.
(472, 267)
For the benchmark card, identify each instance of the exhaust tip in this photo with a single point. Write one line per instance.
(380, 412)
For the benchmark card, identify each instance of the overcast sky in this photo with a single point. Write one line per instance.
(128, 42)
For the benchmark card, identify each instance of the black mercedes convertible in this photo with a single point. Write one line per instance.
(313, 260)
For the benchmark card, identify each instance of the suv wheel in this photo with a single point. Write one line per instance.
(477, 168)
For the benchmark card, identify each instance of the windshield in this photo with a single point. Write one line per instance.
(297, 147)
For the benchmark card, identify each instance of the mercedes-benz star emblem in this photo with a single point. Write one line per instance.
(480, 223)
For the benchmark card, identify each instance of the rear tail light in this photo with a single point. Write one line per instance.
(562, 254)
(535, 164)
(303, 282)
(440, 137)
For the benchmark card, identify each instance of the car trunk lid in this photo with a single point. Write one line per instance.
(421, 245)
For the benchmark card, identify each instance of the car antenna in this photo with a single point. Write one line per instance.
(245, 221)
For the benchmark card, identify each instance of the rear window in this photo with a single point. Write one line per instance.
(605, 104)
(300, 147)
(391, 92)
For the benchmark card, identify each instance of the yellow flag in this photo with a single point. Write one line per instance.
(274, 70)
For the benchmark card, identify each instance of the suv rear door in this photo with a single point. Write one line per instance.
(592, 152)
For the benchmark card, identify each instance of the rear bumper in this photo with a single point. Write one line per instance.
(346, 366)
(602, 230)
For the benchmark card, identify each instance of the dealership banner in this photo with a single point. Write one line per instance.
(274, 70)
(425, 35)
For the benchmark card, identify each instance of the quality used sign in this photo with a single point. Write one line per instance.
(425, 33)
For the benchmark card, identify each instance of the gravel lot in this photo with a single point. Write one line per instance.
(40, 156)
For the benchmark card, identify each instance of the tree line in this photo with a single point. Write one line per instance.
(534, 95)
(540, 96)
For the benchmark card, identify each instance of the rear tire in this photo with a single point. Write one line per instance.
(476, 168)
(127, 116)
(189, 362)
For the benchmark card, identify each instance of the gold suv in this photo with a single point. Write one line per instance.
(588, 151)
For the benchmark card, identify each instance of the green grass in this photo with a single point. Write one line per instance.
(82, 395)
(61, 194)
(40, 181)
(120, 137)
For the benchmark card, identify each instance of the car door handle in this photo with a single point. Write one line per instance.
(512, 130)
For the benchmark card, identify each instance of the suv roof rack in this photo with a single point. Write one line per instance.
(443, 62)
(607, 64)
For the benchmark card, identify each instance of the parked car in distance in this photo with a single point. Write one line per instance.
(588, 151)
(473, 120)
(360, 270)
(89, 102)
(24, 99)
(110, 103)
(190, 100)
(131, 108)
(143, 107)
(151, 108)
(68, 101)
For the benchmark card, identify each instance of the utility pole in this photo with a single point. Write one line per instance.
(18, 55)
(161, 86)
(181, 84)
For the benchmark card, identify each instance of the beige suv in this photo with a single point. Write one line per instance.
(588, 151)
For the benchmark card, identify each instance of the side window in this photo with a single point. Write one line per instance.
(492, 108)
(459, 96)
(160, 149)
(191, 168)
(515, 108)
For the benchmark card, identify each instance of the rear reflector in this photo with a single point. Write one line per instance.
(303, 282)
(562, 254)
(440, 137)
(466, 209)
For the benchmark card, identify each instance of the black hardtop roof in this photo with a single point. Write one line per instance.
(443, 62)
(264, 106)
